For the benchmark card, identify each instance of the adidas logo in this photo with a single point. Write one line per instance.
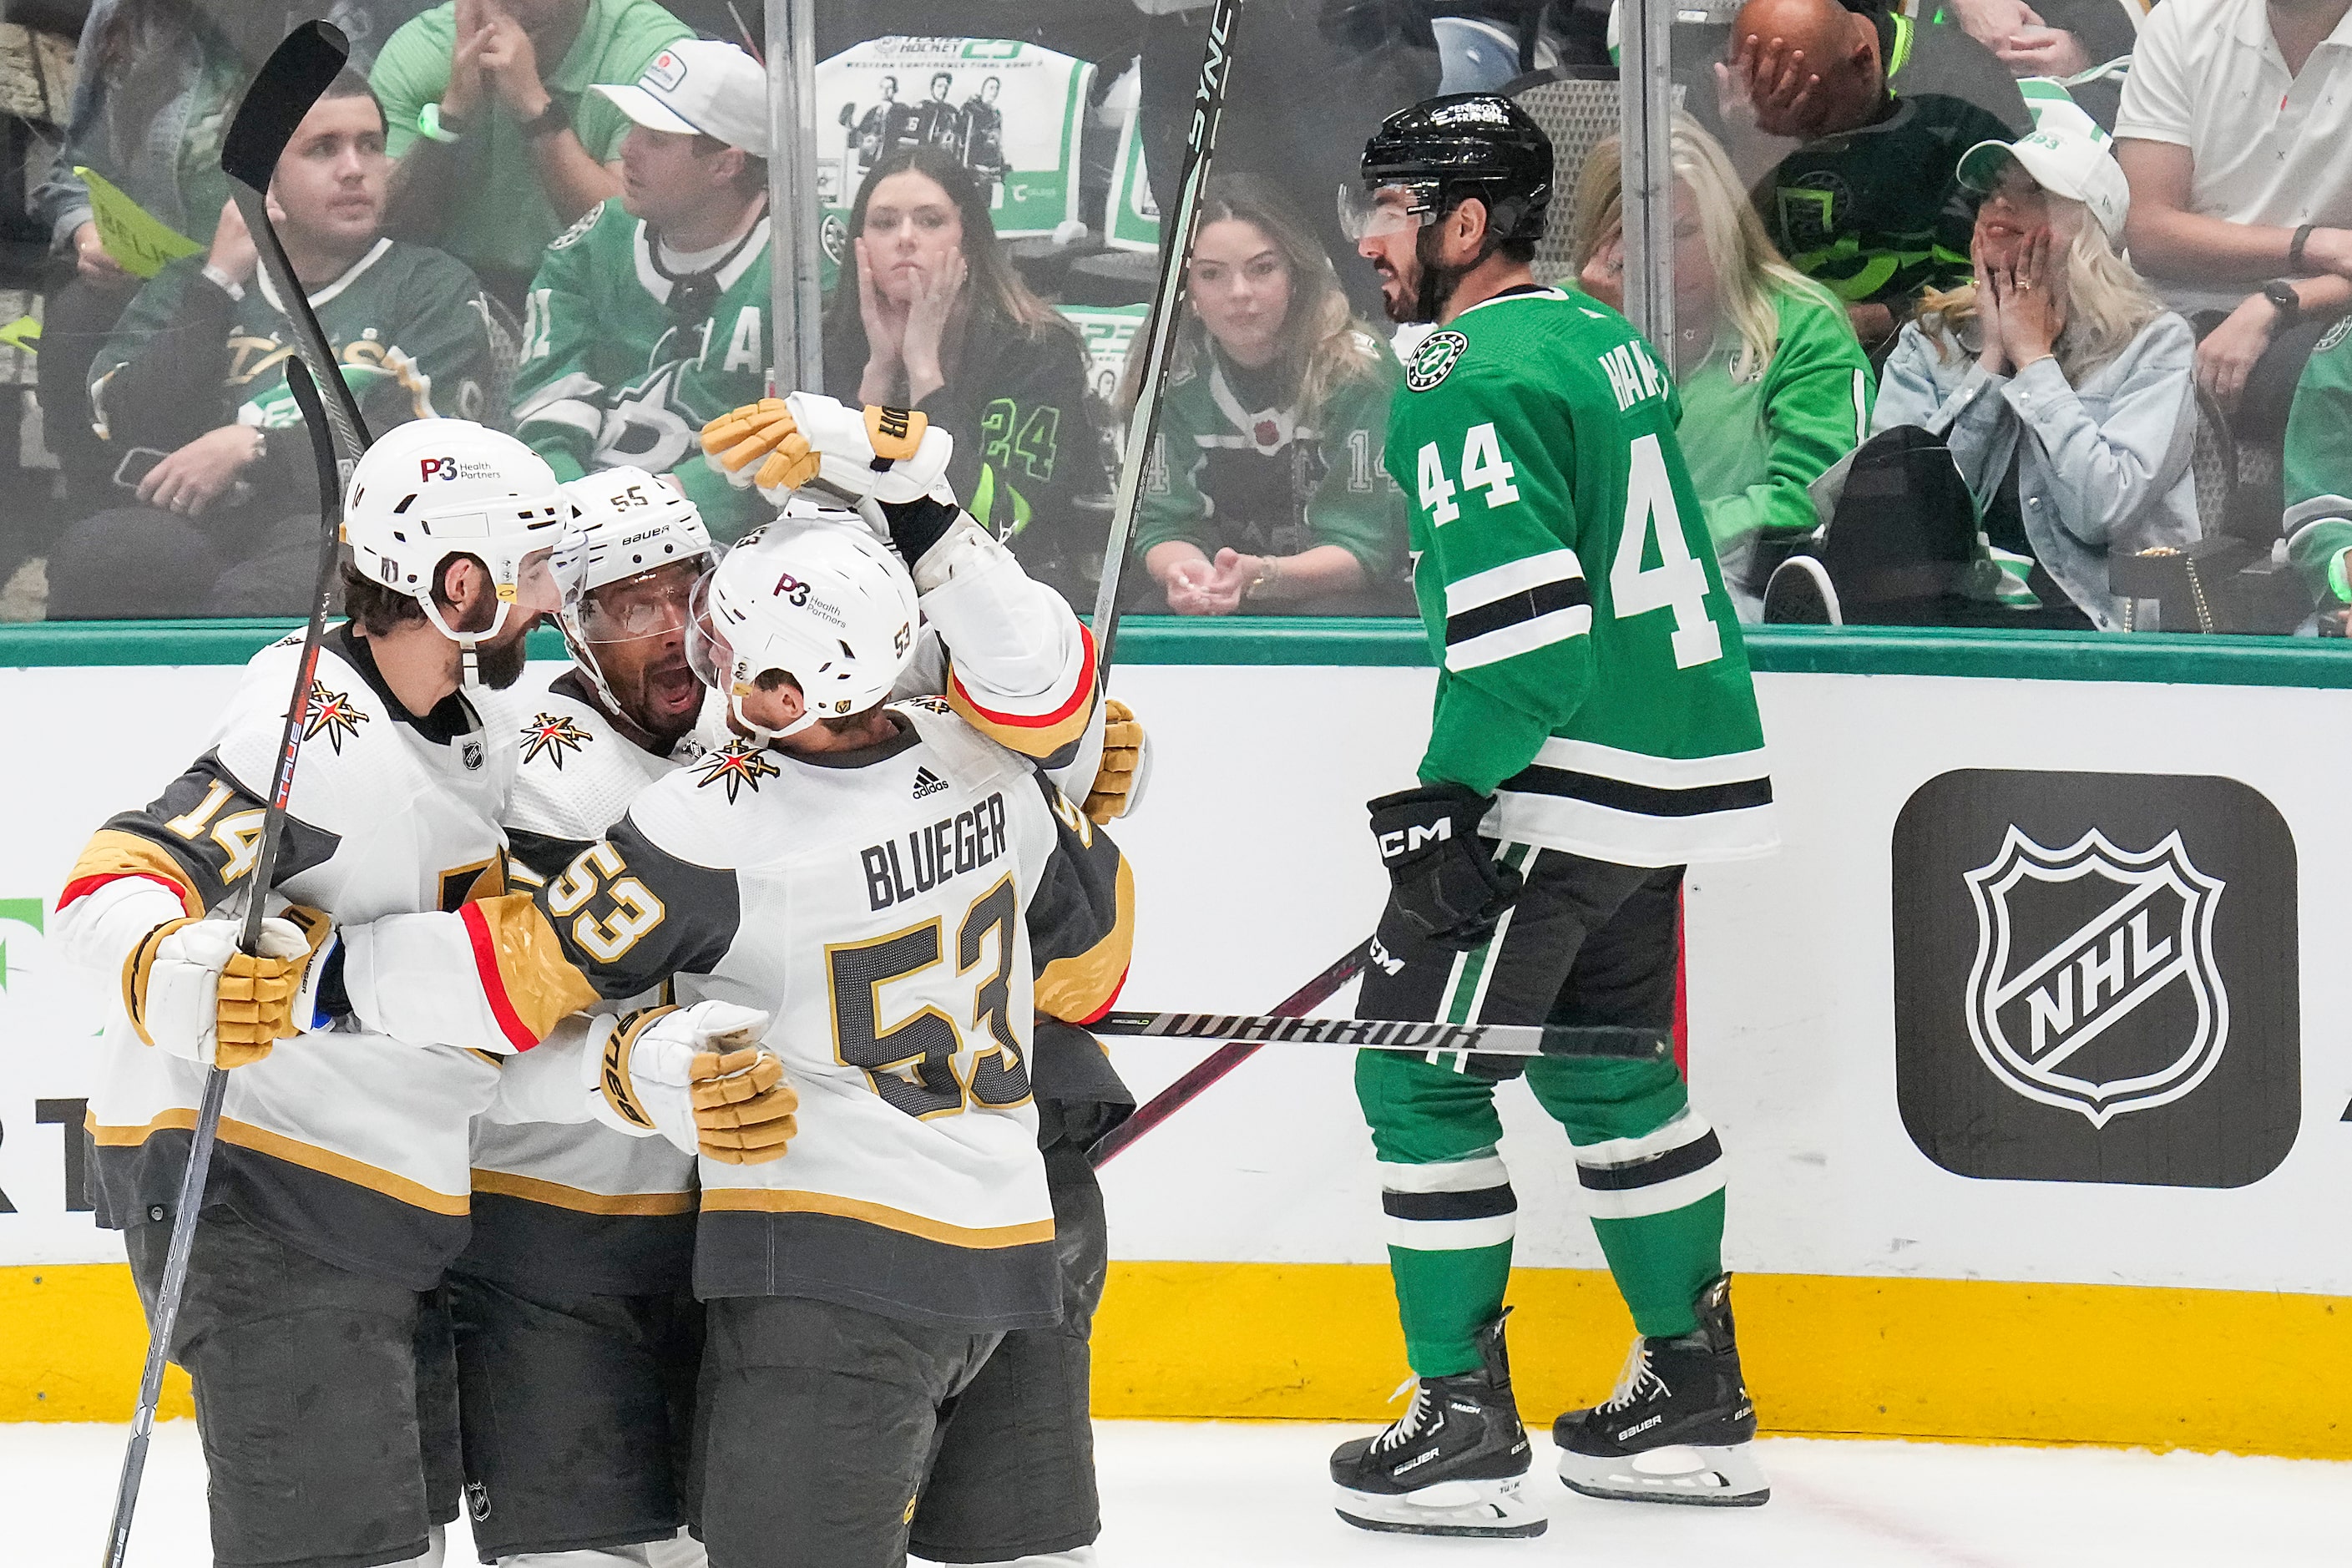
(927, 782)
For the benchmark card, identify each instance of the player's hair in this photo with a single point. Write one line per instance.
(1324, 346)
(1750, 277)
(2108, 302)
(379, 610)
(769, 680)
(990, 283)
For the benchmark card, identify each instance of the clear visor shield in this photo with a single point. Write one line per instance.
(707, 651)
(652, 604)
(536, 589)
(1384, 209)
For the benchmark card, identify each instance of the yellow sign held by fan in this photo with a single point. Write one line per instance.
(134, 236)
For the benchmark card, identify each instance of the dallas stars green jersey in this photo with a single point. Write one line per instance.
(617, 370)
(1590, 667)
(409, 326)
(2318, 469)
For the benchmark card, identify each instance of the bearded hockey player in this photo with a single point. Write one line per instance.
(338, 1189)
(648, 317)
(1595, 731)
(887, 881)
(576, 1285)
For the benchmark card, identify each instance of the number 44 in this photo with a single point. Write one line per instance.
(1483, 468)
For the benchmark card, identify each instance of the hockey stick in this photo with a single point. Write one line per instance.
(295, 68)
(1222, 1060)
(1167, 308)
(293, 78)
(1616, 1042)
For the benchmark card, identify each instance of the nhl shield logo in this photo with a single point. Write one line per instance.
(2125, 1010)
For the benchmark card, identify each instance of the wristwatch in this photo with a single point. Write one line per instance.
(2285, 300)
(548, 121)
(436, 126)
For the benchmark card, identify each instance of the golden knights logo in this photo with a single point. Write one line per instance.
(333, 715)
(740, 766)
(2095, 978)
(2054, 1020)
(552, 736)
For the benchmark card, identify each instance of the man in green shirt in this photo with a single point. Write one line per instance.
(2318, 473)
(501, 146)
(648, 318)
(1595, 731)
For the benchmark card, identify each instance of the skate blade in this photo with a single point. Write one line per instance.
(1708, 1477)
(1449, 1508)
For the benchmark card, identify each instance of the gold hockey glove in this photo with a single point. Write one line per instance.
(1118, 777)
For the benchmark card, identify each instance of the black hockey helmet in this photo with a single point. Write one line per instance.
(1467, 144)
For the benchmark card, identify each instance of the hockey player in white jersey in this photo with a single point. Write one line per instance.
(902, 894)
(338, 1190)
(576, 1283)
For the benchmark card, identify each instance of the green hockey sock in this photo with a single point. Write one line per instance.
(1443, 1298)
(1661, 1261)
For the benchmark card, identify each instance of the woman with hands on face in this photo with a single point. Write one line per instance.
(929, 314)
(2064, 386)
(1268, 495)
(1775, 386)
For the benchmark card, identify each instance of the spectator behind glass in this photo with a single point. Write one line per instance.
(2236, 135)
(648, 319)
(1267, 494)
(2054, 39)
(501, 145)
(2317, 473)
(1865, 203)
(1775, 387)
(191, 398)
(929, 315)
(155, 84)
(2063, 382)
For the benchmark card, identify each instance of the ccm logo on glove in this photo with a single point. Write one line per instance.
(1393, 844)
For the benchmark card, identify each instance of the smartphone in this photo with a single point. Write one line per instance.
(136, 465)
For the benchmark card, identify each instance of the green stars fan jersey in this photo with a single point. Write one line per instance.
(1590, 672)
(621, 368)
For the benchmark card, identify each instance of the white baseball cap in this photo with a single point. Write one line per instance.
(2068, 153)
(704, 88)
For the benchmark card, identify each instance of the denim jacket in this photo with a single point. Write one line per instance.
(2107, 467)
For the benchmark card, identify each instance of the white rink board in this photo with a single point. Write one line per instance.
(1254, 872)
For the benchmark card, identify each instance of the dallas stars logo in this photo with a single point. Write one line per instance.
(552, 735)
(740, 765)
(332, 713)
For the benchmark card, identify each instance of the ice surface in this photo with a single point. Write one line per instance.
(1253, 1495)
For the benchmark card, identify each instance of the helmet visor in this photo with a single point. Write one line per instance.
(656, 604)
(1384, 209)
(536, 589)
(707, 651)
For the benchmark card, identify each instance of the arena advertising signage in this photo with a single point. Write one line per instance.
(1109, 332)
(2095, 978)
(1010, 112)
(1131, 214)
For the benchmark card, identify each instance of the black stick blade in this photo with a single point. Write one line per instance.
(291, 81)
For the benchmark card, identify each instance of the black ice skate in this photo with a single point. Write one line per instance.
(1680, 1425)
(1453, 1466)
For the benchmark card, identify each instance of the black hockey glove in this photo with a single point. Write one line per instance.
(917, 525)
(1440, 874)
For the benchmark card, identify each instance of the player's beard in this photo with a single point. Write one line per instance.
(500, 663)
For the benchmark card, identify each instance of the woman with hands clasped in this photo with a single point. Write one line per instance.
(929, 314)
(1268, 496)
(2063, 387)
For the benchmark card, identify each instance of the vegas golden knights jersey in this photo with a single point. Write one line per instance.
(349, 1145)
(903, 911)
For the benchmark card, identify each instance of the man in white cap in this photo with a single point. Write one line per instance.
(648, 318)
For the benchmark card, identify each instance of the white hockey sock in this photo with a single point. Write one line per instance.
(431, 1556)
(682, 1551)
(1077, 1557)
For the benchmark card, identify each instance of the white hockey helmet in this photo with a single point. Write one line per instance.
(830, 605)
(433, 489)
(625, 522)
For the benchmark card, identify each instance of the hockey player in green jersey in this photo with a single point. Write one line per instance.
(649, 317)
(1595, 731)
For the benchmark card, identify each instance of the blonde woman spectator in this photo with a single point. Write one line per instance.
(2064, 387)
(1268, 496)
(1775, 387)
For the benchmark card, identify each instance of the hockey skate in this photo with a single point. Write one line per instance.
(1452, 1466)
(1679, 1427)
